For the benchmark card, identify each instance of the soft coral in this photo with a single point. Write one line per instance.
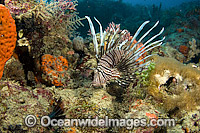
(8, 36)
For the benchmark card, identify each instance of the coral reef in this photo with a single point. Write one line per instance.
(191, 120)
(43, 21)
(184, 31)
(78, 44)
(14, 71)
(8, 36)
(55, 44)
(143, 109)
(17, 102)
(184, 53)
(184, 50)
(193, 50)
(49, 68)
(19, 7)
(169, 51)
(175, 84)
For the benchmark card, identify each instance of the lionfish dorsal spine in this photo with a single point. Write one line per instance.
(148, 32)
(110, 44)
(93, 35)
(152, 38)
(138, 31)
(101, 31)
(139, 52)
(122, 44)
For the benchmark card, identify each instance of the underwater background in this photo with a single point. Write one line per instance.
(79, 59)
(166, 3)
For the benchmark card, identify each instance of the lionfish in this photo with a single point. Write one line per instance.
(119, 55)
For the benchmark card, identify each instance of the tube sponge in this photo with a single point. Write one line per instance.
(8, 36)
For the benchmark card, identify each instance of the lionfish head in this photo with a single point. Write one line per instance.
(96, 81)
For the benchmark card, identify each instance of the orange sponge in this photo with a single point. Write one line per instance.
(54, 68)
(8, 36)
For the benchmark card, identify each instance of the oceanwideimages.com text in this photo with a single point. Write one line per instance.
(46, 121)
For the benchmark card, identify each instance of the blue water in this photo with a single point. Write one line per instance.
(165, 3)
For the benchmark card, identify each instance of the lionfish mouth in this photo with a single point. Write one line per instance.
(119, 55)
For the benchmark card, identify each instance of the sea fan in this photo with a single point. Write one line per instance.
(64, 15)
(119, 55)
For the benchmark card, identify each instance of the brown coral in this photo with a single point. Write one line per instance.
(54, 68)
(8, 36)
(184, 50)
(186, 89)
(180, 30)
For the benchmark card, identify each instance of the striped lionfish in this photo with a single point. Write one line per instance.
(119, 55)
